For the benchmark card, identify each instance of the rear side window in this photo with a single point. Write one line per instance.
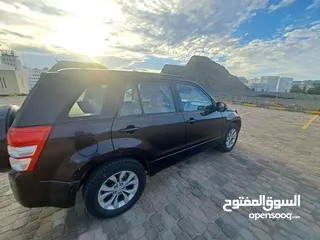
(156, 97)
(90, 102)
(131, 104)
(192, 97)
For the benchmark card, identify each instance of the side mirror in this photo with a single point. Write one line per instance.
(207, 109)
(201, 108)
(221, 106)
(210, 108)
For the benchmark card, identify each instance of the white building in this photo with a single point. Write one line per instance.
(284, 84)
(34, 76)
(271, 84)
(12, 76)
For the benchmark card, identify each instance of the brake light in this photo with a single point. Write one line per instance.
(25, 146)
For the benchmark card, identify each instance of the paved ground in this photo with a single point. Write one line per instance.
(274, 156)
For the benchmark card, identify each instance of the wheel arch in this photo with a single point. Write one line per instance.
(137, 157)
(237, 122)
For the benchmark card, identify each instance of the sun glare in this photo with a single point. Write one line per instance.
(86, 31)
(82, 37)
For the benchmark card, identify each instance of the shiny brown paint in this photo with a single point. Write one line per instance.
(77, 145)
(158, 134)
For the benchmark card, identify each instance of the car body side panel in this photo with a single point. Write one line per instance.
(206, 127)
(230, 117)
(158, 134)
(71, 146)
(75, 141)
(76, 145)
(43, 107)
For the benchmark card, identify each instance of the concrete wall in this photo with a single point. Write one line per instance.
(17, 100)
(295, 104)
(12, 82)
(284, 84)
(22, 82)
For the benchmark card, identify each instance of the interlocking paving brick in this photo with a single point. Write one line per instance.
(183, 236)
(198, 225)
(137, 231)
(196, 212)
(122, 226)
(199, 237)
(176, 230)
(47, 212)
(208, 212)
(186, 226)
(20, 223)
(151, 234)
(5, 236)
(59, 214)
(262, 235)
(169, 221)
(229, 231)
(185, 201)
(246, 234)
(7, 221)
(5, 203)
(173, 211)
(44, 229)
(168, 235)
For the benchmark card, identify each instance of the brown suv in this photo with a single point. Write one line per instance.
(105, 130)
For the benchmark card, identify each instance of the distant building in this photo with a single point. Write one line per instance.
(307, 84)
(297, 83)
(243, 79)
(284, 84)
(12, 76)
(34, 76)
(270, 84)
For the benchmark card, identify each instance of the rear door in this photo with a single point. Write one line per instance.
(148, 121)
(83, 129)
(200, 128)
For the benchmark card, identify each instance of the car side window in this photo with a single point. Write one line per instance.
(192, 97)
(90, 102)
(130, 104)
(156, 97)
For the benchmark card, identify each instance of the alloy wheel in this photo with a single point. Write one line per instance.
(231, 138)
(118, 190)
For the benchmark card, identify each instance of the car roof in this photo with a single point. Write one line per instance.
(137, 74)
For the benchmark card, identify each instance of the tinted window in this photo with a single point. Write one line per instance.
(156, 97)
(90, 102)
(192, 97)
(130, 104)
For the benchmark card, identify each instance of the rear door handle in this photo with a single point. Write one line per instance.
(129, 129)
(191, 120)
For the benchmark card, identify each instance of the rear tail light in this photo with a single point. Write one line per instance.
(25, 146)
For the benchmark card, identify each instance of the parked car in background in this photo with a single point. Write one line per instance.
(105, 131)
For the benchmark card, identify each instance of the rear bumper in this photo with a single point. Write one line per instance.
(30, 192)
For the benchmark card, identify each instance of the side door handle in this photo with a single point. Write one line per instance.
(191, 120)
(129, 129)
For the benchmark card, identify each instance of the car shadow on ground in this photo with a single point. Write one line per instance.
(186, 200)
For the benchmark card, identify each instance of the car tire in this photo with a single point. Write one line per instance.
(103, 178)
(7, 115)
(226, 146)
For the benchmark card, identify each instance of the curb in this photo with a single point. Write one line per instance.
(228, 102)
(250, 104)
(311, 112)
(274, 107)
(277, 108)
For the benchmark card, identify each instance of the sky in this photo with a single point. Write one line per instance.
(251, 38)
